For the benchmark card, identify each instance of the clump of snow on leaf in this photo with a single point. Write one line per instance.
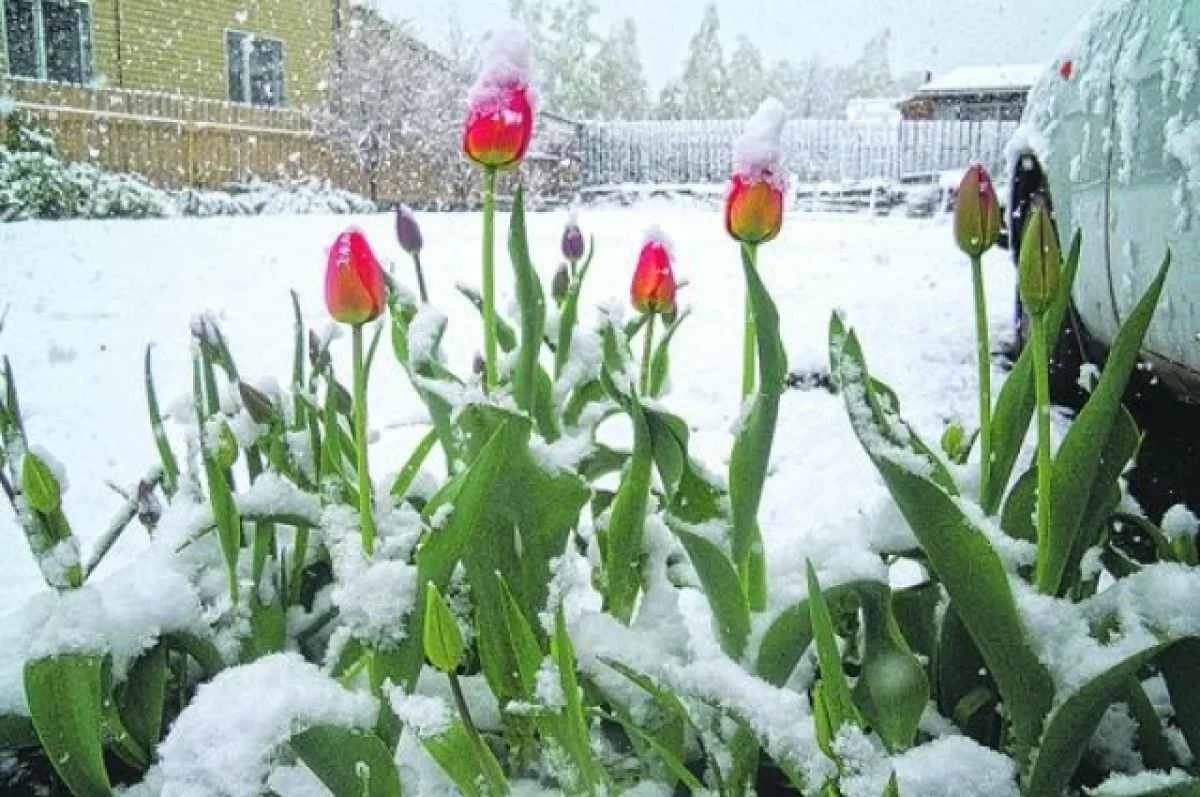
(759, 151)
(225, 741)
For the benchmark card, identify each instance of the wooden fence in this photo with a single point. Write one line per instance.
(178, 142)
(692, 152)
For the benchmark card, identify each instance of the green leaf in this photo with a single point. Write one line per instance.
(142, 697)
(835, 688)
(1018, 518)
(532, 302)
(959, 552)
(663, 751)
(442, 551)
(1077, 466)
(576, 736)
(1188, 787)
(225, 515)
(669, 442)
(1071, 725)
(166, 455)
(473, 768)
(1015, 404)
(568, 317)
(1180, 667)
(38, 484)
(67, 707)
(443, 639)
(721, 586)
(963, 684)
(412, 467)
(660, 365)
(1152, 738)
(505, 335)
(351, 763)
(17, 732)
(790, 634)
(627, 522)
(751, 454)
(202, 650)
(892, 690)
(524, 642)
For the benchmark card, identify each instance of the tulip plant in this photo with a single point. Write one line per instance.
(513, 621)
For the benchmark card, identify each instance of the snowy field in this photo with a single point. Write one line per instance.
(87, 297)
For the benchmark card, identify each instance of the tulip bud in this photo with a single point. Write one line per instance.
(1040, 262)
(257, 403)
(501, 104)
(561, 284)
(653, 289)
(354, 286)
(408, 232)
(976, 212)
(572, 242)
(754, 209)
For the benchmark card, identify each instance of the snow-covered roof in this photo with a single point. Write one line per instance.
(972, 79)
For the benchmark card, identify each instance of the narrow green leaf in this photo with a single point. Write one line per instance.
(524, 641)
(1187, 787)
(67, 707)
(202, 650)
(663, 751)
(473, 768)
(1077, 463)
(721, 586)
(1181, 669)
(660, 365)
(166, 455)
(143, 695)
(443, 639)
(532, 302)
(351, 763)
(568, 317)
(412, 467)
(751, 454)
(1073, 722)
(506, 336)
(577, 733)
(17, 732)
(1151, 738)
(627, 522)
(1014, 406)
(669, 442)
(836, 689)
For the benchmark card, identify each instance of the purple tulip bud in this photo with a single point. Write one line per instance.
(572, 241)
(408, 232)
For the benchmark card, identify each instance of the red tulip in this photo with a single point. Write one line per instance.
(653, 289)
(754, 209)
(354, 287)
(499, 124)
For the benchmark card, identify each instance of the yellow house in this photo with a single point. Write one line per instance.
(275, 53)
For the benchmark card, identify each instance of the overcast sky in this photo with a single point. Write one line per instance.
(937, 35)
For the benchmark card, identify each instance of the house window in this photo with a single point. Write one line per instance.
(255, 69)
(49, 39)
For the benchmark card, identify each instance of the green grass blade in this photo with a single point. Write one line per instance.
(835, 686)
(660, 365)
(412, 467)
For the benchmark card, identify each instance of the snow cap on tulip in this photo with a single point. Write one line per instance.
(355, 291)
(754, 203)
(653, 288)
(502, 102)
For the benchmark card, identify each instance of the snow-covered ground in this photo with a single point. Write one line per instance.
(87, 297)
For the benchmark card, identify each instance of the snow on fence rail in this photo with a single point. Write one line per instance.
(696, 152)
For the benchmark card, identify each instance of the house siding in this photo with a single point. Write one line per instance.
(178, 46)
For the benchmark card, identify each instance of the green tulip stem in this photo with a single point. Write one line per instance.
(647, 354)
(366, 518)
(985, 375)
(416, 257)
(491, 352)
(1041, 369)
(749, 342)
